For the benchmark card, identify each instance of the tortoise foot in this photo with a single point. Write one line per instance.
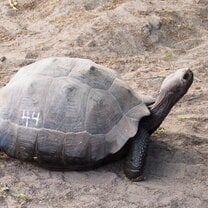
(134, 175)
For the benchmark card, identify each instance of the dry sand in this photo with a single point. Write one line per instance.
(144, 41)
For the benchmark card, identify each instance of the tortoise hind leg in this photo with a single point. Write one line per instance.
(136, 156)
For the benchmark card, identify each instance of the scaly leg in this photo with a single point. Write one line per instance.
(136, 156)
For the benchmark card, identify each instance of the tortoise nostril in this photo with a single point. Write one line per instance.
(186, 76)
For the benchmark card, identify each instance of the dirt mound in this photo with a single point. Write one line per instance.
(144, 41)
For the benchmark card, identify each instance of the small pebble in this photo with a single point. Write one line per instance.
(3, 58)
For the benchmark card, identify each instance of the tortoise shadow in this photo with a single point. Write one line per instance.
(168, 155)
(163, 156)
(158, 151)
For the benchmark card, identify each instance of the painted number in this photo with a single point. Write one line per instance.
(29, 117)
(35, 117)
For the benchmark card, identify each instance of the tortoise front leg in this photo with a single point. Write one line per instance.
(136, 156)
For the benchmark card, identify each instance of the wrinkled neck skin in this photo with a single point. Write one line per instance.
(159, 110)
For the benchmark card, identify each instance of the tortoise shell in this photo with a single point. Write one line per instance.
(67, 109)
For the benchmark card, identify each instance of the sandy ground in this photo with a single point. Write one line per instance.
(144, 41)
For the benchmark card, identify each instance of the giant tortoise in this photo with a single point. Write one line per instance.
(71, 113)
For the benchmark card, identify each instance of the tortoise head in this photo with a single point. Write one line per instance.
(176, 85)
(172, 89)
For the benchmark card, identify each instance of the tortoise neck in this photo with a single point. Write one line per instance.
(159, 110)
